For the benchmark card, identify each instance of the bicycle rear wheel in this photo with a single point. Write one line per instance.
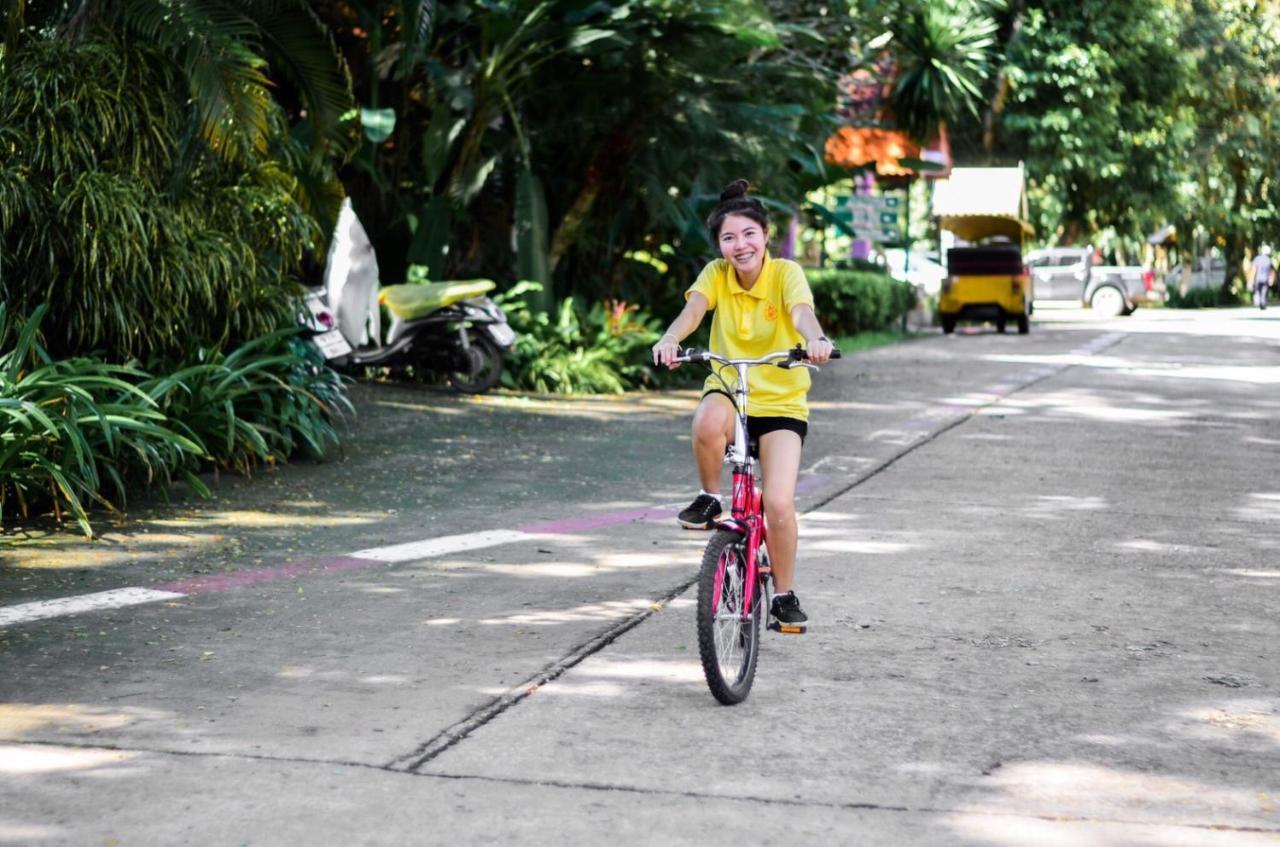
(728, 643)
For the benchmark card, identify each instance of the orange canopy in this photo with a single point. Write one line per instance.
(855, 147)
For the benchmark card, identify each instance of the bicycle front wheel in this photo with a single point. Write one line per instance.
(728, 640)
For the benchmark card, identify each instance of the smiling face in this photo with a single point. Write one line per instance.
(742, 242)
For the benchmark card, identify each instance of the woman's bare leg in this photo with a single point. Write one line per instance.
(780, 466)
(712, 432)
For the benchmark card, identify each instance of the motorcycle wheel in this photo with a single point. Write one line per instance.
(482, 363)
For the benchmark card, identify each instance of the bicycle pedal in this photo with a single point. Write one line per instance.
(788, 628)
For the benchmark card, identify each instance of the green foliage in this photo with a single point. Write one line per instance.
(603, 349)
(850, 302)
(231, 54)
(1094, 113)
(1205, 298)
(138, 242)
(943, 55)
(79, 432)
(740, 87)
(71, 428)
(266, 400)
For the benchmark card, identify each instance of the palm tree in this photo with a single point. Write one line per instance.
(942, 52)
(233, 54)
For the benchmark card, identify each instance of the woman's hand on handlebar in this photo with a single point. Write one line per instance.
(666, 351)
(819, 350)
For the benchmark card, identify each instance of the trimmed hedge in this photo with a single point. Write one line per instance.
(849, 302)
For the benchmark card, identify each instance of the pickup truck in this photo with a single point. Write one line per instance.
(1067, 274)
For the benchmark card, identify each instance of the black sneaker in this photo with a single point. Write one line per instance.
(701, 513)
(786, 608)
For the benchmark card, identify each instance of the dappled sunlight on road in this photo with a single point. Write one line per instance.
(173, 537)
(1147, 545)
(258, 519)
(63, 551)
(1260, 506)
(834, 532)
(1244, 723)
(20, 720)
(16, 832)
(606, 408)
(1094, 406)
(608, 610)
(30, 760)
(431, 408)
(655, 670)
(1251, 374)
(1082, 804)
(1251, 574)
(312, 674)
(1053, 506)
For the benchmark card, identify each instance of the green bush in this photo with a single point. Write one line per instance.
(600, 350)
(849, 302)
(1204, 298)
(261, 403)
(139, 240)
(77, 432)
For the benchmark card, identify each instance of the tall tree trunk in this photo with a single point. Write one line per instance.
(1234, 248)
(612, 156)
(995, 109)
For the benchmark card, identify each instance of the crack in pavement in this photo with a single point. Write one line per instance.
(454, 734)
(604, 787)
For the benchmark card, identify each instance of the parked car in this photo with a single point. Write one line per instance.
(1068, 275)
(924, 271)
(1207, 272)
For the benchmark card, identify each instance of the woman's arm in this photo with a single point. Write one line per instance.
(690, 317)
(817, 345)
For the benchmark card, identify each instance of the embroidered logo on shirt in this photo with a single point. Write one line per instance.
(770, 312)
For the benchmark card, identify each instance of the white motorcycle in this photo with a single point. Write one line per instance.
(446, 328)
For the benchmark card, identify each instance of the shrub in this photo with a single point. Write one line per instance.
(70, 427)
(139, 240)
(600, 350)
(259, 404)
(1203, 298)
(78, 431)
(849, 302)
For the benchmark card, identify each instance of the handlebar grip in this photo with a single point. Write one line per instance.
(835, 353)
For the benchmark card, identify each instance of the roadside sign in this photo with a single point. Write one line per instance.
(876, 218)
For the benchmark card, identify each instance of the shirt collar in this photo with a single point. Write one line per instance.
(760, 290)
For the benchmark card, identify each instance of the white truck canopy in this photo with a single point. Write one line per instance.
(978, 203)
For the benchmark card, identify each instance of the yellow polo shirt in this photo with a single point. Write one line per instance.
(749, 323)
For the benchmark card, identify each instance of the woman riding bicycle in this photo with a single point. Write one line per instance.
(761, 305)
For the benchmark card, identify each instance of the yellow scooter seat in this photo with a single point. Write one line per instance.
(409, 301)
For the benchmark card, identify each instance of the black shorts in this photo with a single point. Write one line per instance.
(758, 425)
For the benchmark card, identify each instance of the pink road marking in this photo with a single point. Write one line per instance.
(261, 576)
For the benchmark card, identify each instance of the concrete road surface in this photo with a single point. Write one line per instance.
(1042, 575)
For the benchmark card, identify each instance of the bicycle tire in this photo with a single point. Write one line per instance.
(729, 671)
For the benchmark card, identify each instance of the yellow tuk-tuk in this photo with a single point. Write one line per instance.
(986, 210)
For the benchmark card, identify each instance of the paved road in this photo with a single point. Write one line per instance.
(1042, 571)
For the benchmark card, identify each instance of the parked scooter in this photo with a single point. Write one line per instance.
(447, 328)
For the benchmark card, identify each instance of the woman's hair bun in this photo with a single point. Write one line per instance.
(734, 190)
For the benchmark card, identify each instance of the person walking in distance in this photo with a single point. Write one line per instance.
(1262, 272)
(762, 305)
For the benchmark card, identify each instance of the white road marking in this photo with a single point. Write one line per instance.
(427, 548)
(441, 546)
(115, 599)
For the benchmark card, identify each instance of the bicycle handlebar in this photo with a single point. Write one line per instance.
(796, 355)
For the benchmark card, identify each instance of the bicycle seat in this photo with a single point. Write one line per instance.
(411, 301)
